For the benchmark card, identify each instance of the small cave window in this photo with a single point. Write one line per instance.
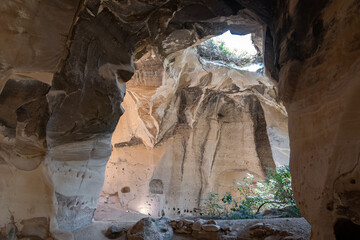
(237, 51)
(125, 189)
(345, 229)
(156, 186)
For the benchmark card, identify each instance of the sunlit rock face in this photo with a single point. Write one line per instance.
(190, 128)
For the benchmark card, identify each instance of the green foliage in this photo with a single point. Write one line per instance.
(279, 184)
(292, 211)
(223, 48)
(212, 205)
(216, 50)
(274, 192)
(241, 213)
(252, 195)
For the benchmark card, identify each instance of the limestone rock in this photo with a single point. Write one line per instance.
(188, 124)
(184, 230)
(69, 62)
(114, 232)
(182, 226)
(150, 229)
(323, 195)
(188, 222)
(36, 227)
(261, 231)
(83, 52)
(210, 227)
(197, 225)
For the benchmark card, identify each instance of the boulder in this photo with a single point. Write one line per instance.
(210, 227)
(150, 229)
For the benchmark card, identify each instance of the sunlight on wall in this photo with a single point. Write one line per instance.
(143, 209)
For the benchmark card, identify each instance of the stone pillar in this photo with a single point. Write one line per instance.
(56, 138)
(84, 103)
(319, 81)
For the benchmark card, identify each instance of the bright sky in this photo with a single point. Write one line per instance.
(240, 42)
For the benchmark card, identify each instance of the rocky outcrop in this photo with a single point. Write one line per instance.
(201, 125)
(150, 228)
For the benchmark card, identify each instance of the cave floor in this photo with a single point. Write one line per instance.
(108, 215)
(109, 212)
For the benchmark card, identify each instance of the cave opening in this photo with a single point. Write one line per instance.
(234, 51)
(195, 121)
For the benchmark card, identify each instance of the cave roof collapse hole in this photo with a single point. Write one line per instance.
(235, 51)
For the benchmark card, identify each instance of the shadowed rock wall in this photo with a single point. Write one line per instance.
(320, 86)
(57, 135)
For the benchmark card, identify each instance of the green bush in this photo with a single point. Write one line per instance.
(213, 206)
(274, 192)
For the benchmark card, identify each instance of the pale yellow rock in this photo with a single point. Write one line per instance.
(195, 129)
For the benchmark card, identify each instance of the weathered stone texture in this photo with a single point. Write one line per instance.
(204, 126)
(311, 49)
(319, 83)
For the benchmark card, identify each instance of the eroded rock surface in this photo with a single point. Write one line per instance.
(56, 133)
(68, 62)
(150, 228)
(320, 85)
(311, 48)
(190, 128)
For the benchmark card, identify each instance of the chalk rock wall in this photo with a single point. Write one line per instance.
(190, 128)
(319, 82)
(59, 55)
(63, 68)
(60, 103)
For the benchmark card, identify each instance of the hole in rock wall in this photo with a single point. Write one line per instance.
(346, 229)
(156, 186)
(233, 51)
(125, 189)
(195, 122)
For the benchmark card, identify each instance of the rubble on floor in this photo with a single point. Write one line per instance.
(200, 228)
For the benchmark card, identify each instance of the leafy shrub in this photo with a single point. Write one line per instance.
(212, 205)
(274, 192)
(241, 213)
